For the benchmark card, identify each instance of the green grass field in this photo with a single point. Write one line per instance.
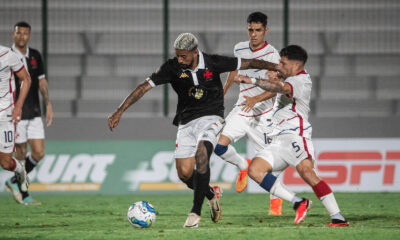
(244, 216)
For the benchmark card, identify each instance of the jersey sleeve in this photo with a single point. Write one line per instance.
(41, 73)
(223, 64)
(14, 62)
(163, 75)
(296, 86)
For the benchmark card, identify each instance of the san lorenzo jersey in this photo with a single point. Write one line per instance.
(9, 63)
(290, 113)
(34, 65)
(200, 91)
(267, 53)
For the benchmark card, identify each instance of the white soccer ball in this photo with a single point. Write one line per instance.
(141, 214)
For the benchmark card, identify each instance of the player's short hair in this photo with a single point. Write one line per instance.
(186, 41)
(258, 17)
(22, 24)
(294, 52)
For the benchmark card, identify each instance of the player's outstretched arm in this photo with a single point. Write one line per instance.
(257, 64)
(133, 97)
(251, 101)
(229, 81)
(25, 81)
(272, 84)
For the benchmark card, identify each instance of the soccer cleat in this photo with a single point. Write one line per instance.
(215, 207)
(192, 221)
(30, 201)
(338, 223)
(22, 179)
(241, 181)
(301, 209)
(275, 207)
(13, 187)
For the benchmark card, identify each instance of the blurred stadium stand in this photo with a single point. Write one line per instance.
(99, 50)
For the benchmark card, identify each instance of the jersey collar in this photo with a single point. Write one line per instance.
(19, 53)
(301, 72)
(23, 57)
(258, 49)
(200, 65)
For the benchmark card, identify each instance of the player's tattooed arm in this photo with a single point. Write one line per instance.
(273, 84)
(257, 64)
(135, 95)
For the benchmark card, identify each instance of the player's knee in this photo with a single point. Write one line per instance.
(6, 164)
(38, 155)
(184, 173)
(253, 173)
(220, 149)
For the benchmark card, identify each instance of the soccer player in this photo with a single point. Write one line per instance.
(30, 129)
(10, 112)
(254, 104)
(195, 78)
(291, 136)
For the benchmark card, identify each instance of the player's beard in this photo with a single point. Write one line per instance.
(187, 66)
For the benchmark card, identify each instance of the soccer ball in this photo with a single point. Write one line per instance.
(141, 214)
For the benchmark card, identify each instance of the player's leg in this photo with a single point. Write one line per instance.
(261, 170)
(235, 128)
(258, 138)
(322, 190)
(7, 162)
(207, 135)
(21, 138)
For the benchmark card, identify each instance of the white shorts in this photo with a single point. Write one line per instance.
(7, 131)
(205, 128)
(238, 126)
(287, 150)
(29, 129)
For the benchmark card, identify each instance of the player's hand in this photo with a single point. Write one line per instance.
(113, 120)
(16, 115)
(242, 79)
(273, 76)
(49, 114)
(248, 103)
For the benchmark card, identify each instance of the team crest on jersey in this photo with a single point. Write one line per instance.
(33, 63)
(196, 92)
(208, 75)
(183, 75)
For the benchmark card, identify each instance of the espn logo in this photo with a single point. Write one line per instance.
(347, 168)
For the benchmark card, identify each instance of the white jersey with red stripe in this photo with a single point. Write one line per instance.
(268, 53)
(290, 113)
(9, 63)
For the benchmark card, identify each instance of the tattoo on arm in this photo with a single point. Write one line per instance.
(257, 64)
(269, 85)
(135, 95)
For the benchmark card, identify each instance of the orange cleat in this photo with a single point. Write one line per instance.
(275, 207)
(301, 209)
(241, 181)
(338, 223)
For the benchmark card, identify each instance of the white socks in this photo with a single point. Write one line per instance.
(19, 168)
(233, 157)
(330, 204)
(280, 191)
